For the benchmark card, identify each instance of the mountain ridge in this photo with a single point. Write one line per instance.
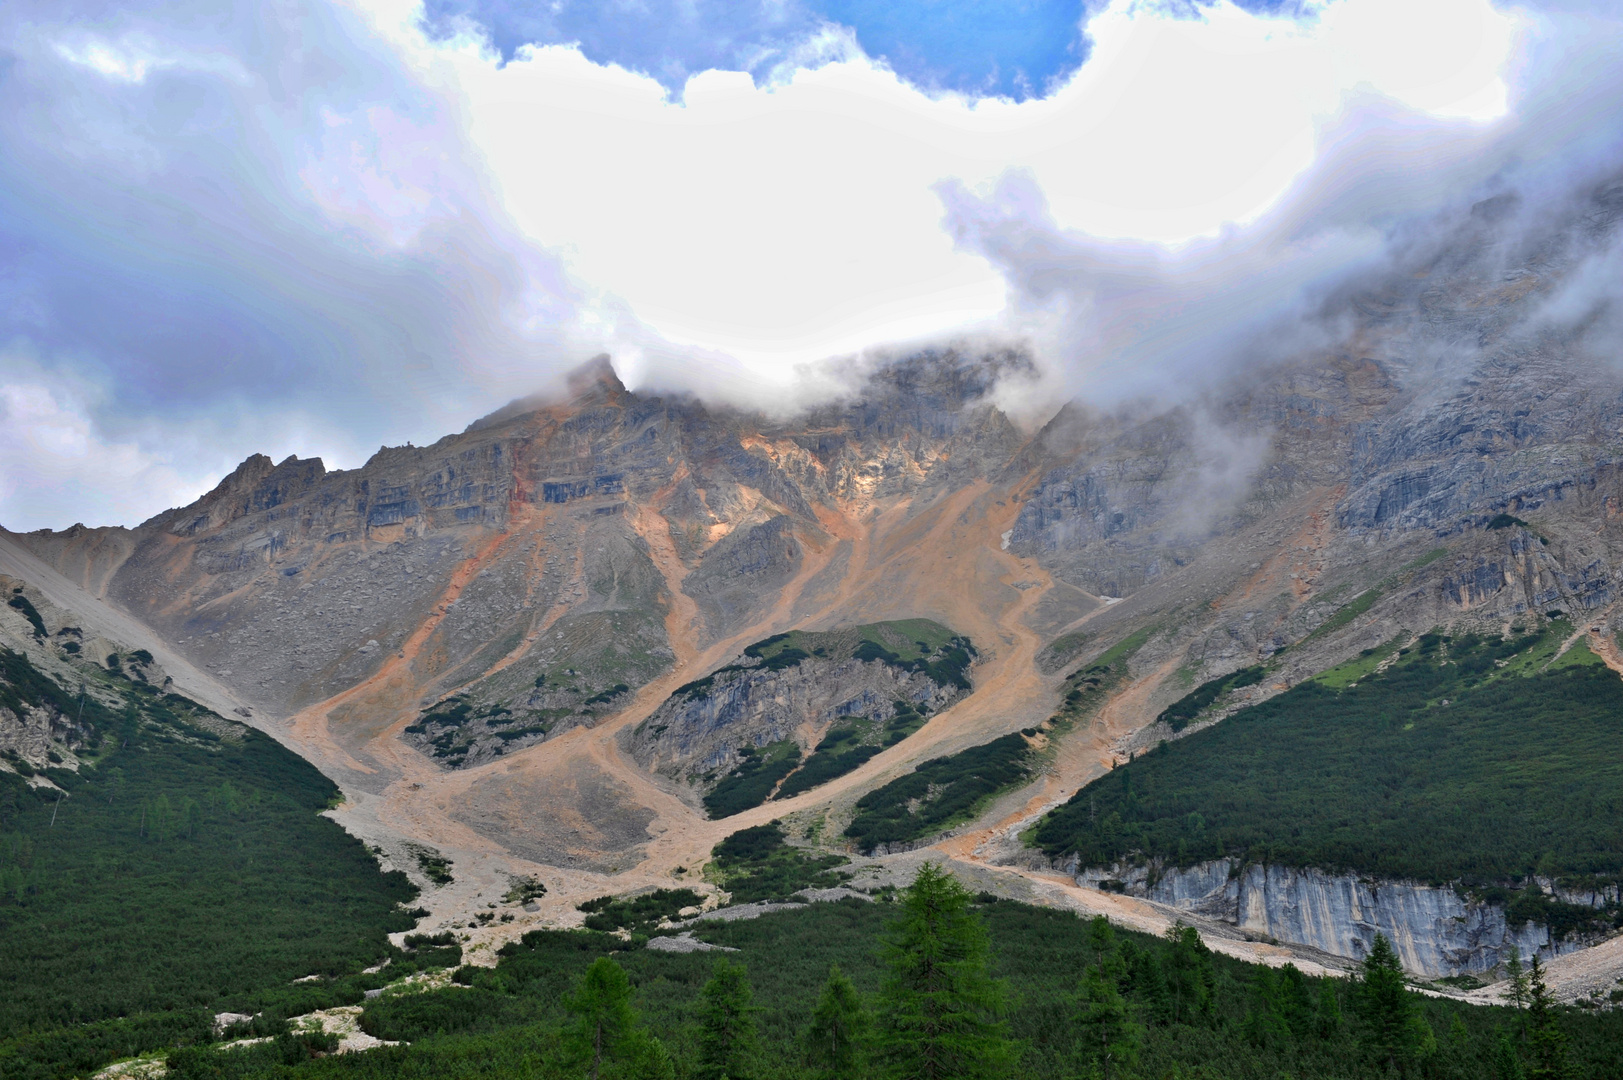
(623, 544)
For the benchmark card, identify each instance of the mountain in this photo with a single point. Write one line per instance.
(480, 640)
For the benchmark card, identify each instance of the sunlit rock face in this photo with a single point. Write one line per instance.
(1435, 930)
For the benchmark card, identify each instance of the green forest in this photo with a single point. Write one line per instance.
(929, 982)
(184, 866)
(1469, 759)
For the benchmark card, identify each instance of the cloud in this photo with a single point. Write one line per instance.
(241, 221)
(317, 227)
(58, 469)
(1121, 319)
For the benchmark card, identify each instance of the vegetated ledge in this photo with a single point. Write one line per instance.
(1466, 774)
(737, 734)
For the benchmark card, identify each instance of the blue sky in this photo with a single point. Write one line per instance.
(317, 227)
(1011, 48)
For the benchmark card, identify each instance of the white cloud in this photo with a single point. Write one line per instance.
(793, 221)
(58, 468)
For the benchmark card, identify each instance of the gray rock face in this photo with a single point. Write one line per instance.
(702, 732)
(1462, 401)
(1434, 931)
(525, 535)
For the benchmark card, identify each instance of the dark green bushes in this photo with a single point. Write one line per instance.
(639, 914)
(1193, 1013)
(1476, 760)
(756, 864)
(29, 612)
(183, 870)
(753, 779)
(938, 793)
(1186, 708)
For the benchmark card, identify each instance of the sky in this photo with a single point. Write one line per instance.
(316, 227)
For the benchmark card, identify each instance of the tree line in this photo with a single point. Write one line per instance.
(940, 1001)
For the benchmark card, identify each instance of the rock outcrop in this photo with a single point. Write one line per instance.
(701, 729)
(1435, 931)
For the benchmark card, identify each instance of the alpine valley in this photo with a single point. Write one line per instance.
(1327, 651)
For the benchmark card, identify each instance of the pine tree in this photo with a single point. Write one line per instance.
(729, 1047)
(841, 1029)
(1265, 1023)
(1148, 986)
(1391, 1028)
(1110, 1036)
(1329, 1014)
(605, 1038)
(1190, 979)
(1295, 1002)
(942, 1010)
(1515, 982)
(1546, 1042)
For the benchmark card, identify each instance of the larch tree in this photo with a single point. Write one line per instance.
(841, 1030)
(605, 1039)
(942, 1009)
(729, 1045)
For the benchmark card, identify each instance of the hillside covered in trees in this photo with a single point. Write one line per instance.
(184, 866)
(934, 983)
(1471, 759)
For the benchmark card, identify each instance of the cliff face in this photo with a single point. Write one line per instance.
(1434, 930)
(701, 733)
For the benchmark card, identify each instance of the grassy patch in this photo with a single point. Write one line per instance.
(1366, 599)
(1346, 614)
(1123, 650)
(1344, 675)
(1063, 649)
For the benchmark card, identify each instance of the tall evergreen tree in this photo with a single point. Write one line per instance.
(606, 1039)
(1296, 1003)
(1191, 983)
(1515, 981)
(1546, 1042)
(729, 1046)
(1391, 1027)
(1507, 1064)
(942, 1010)
(1329, 1012)
(841, 1029)
(1265, 1023)
(1110, 1036)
